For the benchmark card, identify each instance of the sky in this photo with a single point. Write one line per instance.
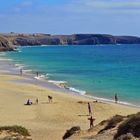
(117, 17)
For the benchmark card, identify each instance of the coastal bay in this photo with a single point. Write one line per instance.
(47, 121)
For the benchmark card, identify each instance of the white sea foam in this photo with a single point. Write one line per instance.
(81, 92)
(17, 49)
(2, 54)
(27, 70)
(40, 77)
(5, 59)
(19, 66)
(57, 82)
(43, 45)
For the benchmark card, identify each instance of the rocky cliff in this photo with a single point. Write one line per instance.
(8, 40)
(5, 45)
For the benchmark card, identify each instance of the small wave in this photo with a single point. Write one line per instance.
(47, 75)
(43, 45)
(40, 77)
(5, 59)
(57, 82)
(18, 50)
(28, 70)
(2, 54)
(19, 66)
(82, 92)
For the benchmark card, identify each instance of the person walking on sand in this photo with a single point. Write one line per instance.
(91, 120)
(36, 101)
(50, 99)
(116, 98)
(89, 109)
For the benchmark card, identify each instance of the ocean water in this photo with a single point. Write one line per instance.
(101, 70)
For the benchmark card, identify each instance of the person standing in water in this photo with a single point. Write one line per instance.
(89, 109)
(21, 72)
(116, 98)
(37, 74)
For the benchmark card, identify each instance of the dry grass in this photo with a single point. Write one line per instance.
(17, 129)
(130, 126)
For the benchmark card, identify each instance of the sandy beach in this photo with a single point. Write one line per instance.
(48, 121)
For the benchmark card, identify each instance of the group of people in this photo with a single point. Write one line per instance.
(29, 101)
(21, 72)
(91, 119)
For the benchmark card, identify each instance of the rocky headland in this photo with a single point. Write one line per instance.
(8, 41)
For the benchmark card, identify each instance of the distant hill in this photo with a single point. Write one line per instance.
(10, 40)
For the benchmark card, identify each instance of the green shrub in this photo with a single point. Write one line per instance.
(17, 129)
(112, 122)
(131, 125)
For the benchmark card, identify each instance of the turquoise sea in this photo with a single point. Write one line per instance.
(100, 70)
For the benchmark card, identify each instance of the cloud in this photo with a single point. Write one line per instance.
(73, 16)
(77, 7)
(23, 6)
(110, 3)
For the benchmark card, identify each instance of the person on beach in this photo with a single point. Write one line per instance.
(116, 98)
(37, 74)
(89, 109)
(21, 72)
(50, 98)
(91, 120)
(36, 101)
(29, 102)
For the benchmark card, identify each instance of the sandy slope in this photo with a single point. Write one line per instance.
(48, 121)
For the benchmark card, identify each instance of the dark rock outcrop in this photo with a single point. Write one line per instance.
(4, 44)
(71, 131)
(130, 126)
(75, 39)
(9, 40)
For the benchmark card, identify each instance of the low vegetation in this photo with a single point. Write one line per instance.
(130, 126)
(116, 128)
(111, 123)
(17, 129)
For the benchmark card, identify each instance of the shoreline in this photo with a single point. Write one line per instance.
(41, 80)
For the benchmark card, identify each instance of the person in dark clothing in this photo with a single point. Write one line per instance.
(50, 98)
(89, 109)
(36, 101)
(37, 74)
(91, 120)
(21, 72)
(29, 102)
(116, 98)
